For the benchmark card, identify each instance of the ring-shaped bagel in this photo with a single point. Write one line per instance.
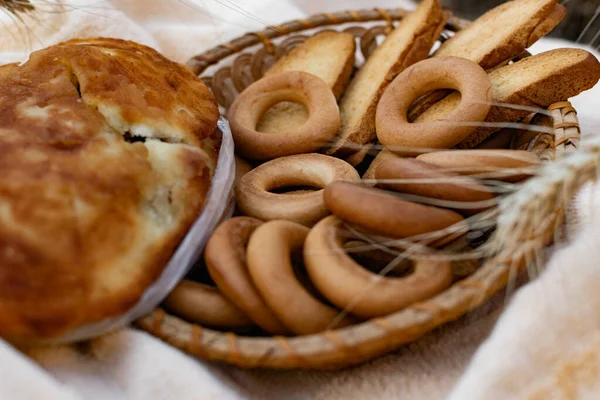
(205, 305)
(384, 213)
(350, 286)
(225, 258)
(375, 259)
(254, 198)
(398, 135)
(403, 175)
(497, 162)
(320, 128)
(242, 167)
(269, 262)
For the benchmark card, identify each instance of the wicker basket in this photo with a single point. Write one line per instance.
(358, 343)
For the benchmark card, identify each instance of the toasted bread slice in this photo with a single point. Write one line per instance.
(497, 37)
(409, 43)
(504, 32)
(536, 81)
(328, 55)
(547, 25)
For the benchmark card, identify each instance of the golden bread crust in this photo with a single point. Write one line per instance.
(135, 87)
(90, 214)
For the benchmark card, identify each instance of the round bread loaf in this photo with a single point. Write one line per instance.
(108, 151)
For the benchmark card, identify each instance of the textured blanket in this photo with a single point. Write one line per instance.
(542, 343)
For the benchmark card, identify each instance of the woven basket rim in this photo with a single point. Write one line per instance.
(366, 340)
(217, 53)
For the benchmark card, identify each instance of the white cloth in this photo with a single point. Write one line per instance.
(547, 343)
(546, 340)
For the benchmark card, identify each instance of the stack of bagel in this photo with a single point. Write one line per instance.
(379, 167)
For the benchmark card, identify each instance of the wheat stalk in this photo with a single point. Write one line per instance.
(17, 6)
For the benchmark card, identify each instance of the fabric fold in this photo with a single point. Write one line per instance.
(545, 344)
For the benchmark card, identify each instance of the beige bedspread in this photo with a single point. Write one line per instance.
(543, 345)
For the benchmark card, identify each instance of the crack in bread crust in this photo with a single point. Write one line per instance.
(89, 214)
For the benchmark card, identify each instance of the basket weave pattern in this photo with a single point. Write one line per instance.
(358, 343)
